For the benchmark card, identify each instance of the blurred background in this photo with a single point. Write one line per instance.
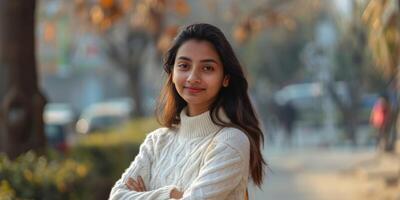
(79, 81)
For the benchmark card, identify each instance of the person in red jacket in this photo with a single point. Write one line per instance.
(380, 117)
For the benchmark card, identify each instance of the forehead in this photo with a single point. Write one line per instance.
(198, 50)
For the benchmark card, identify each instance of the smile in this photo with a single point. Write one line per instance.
(193, 89)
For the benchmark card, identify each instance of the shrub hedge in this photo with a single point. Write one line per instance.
(87, 171)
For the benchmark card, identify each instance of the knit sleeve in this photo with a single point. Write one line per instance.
(224, 167)
(140, 166)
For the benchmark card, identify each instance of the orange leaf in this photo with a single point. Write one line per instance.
(182, 7)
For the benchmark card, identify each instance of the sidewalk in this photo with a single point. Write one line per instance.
(312, 174)
(380, 176)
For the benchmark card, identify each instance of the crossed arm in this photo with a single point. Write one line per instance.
(221, 173)
(139, 186)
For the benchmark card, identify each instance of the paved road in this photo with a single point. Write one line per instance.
(311, 170)
(311, 174)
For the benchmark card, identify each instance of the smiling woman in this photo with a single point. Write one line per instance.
(211, 143)
(198, 75)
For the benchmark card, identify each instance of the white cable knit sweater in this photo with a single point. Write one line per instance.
(191, 160)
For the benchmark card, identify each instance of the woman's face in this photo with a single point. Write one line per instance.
(198, 75)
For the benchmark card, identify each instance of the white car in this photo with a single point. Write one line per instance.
(58, 121)
(104, 115)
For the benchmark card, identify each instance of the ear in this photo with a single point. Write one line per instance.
(225, 82)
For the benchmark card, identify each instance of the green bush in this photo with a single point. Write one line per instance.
(36, 177)
(110, 153)
(88, 171)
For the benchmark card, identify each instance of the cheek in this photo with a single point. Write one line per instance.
(174, 76)
(178, 78)
(214, 83)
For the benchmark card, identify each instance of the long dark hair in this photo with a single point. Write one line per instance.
(234, 98)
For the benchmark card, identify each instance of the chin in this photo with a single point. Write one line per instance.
(194, 100)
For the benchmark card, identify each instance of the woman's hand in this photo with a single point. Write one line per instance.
(136, 185)
(175, 194)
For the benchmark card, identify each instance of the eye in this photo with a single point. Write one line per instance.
(208, 68)
(183, 66)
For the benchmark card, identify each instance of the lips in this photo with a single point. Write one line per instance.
(194, 89)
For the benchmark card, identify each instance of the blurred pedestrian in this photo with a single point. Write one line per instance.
(288, 116)
(211, 143)
(380, 120)
(272, 121)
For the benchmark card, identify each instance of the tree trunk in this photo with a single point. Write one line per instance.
(349, 111)
(395, 122)
(127, 57)
(396, 115)
(21, 108)
(136, 90)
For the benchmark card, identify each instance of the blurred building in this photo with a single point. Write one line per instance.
(71, 61)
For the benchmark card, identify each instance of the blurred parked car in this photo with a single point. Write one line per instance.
(104, 115)
(307, 98)
(59, 120)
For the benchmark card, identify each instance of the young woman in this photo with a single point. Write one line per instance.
(211, 143)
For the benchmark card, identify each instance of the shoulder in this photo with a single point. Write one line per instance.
(160, 134)
(233, 136)
(235, 139)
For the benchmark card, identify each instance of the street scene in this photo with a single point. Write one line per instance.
(311, 171)
(83, 83)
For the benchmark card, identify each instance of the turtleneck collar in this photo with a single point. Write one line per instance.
(200, 125)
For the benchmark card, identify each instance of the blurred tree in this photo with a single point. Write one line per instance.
(351, 66)
(22, 103)
(383, 20)
(286, 31)
(129, 28)
(279, 30)
(271, 38)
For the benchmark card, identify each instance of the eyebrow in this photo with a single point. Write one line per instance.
(205, 60)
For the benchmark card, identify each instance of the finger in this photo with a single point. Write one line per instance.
(140, 185)
(141, 182)
(180, 194)
(129, 185)
(136, 185)
(133, 184)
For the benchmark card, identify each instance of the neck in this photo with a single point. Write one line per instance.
(200, 125)
(194, 110)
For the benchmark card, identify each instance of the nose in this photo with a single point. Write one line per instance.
(193, 77)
